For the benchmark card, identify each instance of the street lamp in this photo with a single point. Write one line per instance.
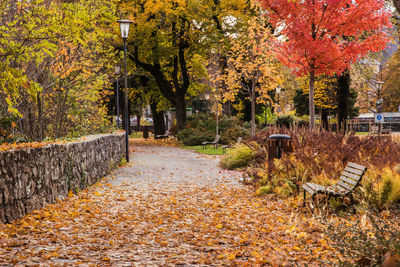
(379, 85)
(124, 26)
(117, 72)
(379, 103)
(278, 91)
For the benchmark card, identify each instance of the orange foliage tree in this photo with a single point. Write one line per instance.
(326, 36)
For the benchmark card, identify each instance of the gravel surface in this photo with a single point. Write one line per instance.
(169, 166)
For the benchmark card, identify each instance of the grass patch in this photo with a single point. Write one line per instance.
(139, 135)
(208, 151)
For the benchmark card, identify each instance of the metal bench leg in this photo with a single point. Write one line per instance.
(304, 198)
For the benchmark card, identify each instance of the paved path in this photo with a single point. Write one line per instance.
(170, 167)
(168, 207)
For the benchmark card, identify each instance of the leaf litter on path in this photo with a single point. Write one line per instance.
(165, 223)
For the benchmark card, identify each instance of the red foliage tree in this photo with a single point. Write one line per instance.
(326, 36)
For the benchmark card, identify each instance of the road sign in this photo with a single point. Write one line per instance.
(379, 118)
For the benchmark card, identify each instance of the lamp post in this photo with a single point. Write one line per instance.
(379, 103)
(278, 92)
(117, 72)
(124, 26)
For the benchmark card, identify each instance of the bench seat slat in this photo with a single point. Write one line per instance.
(336, 190)
(353, 170)
(345, 185)
(351, 176)
(308, 189)
(356, 166)
(347, 180)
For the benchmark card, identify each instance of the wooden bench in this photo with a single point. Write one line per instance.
(224, 147)
(348, 181)
(214, 142)
(163, 136)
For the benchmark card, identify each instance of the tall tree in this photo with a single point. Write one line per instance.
(252, 66)
(58, 48)
(325, 37)
(165, 43)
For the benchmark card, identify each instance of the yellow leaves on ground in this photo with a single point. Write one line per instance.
(188, 225)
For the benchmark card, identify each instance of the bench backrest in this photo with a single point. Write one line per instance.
(351, 176)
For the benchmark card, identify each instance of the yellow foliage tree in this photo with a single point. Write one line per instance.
(252, 66)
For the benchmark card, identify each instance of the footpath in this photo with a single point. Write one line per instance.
(167, 207)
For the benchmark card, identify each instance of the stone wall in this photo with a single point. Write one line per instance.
(32, 178)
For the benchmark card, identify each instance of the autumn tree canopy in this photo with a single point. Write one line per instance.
(326, 36)
(54, 60)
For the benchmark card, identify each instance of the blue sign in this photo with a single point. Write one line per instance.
(379, 118)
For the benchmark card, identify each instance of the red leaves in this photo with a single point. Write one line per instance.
(328, 35)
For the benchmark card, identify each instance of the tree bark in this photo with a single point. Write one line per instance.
(311, 99)
(253, 108)
(173, 89)
(342, 99)
(40, 117)
(180, 110)
(158, 120)
(324, 119)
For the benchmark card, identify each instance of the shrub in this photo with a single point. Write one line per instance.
(382, 186)
(320, 156)
(193, 137)
(202, 128)
(369, 241)
(284, 121)
(6, 129)
(238, 157)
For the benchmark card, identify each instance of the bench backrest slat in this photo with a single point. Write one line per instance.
(345, 186)
(349, 181)
(351, 176)
(352, 170)
(356, 166)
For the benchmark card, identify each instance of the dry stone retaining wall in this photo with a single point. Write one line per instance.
(31, 178)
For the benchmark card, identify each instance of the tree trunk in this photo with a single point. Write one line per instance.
(342, 99)
(311, 99)
(138, 118)
(158, 120)
(180, 109)
(324, 119)
(253, 108)
(40, 117)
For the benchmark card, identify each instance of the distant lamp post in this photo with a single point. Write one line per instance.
(278, 90)
(379, 102)
(124, 25)
(207, 98)
(117, 73)
(379, 105)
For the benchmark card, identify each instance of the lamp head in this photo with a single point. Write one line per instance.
(124, 26)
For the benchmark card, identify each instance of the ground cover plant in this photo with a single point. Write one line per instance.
(320, 156)
(202, 128)
(368, 238)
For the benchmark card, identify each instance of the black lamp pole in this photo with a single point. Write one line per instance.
(124, 25)
(117, 71)
(126, 105)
